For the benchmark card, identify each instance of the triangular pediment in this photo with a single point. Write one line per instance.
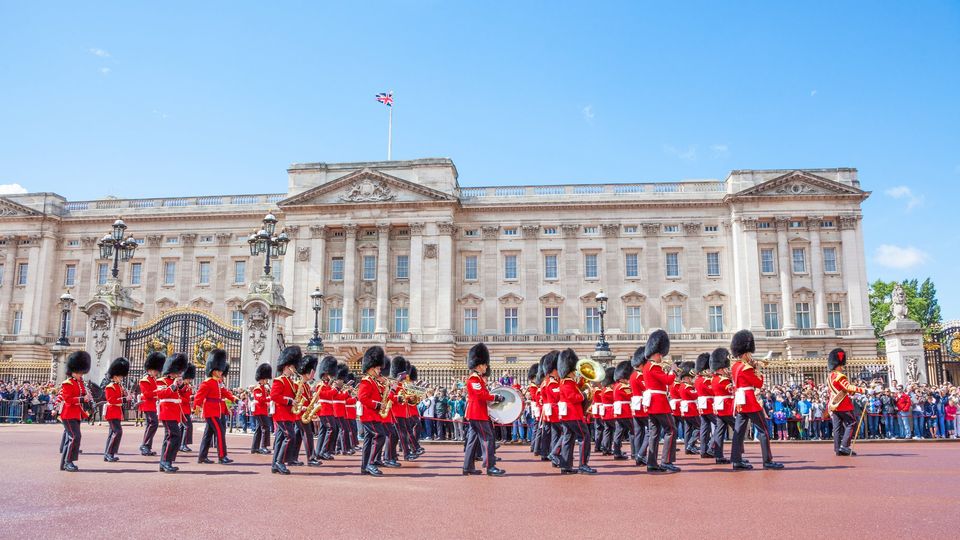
(9, 208)
(800, 184)
(366, 186)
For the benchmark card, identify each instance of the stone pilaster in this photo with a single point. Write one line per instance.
(383, 278)
(350, 280)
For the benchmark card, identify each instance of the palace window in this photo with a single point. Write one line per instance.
(17, 322)
(549, 267)
(239, 272)
(470, 326)
(834, 317)
(470, 268)
(771, 316)
(764, 224)
(634, 325)
(22, 271)
(673, 264)
(715, 318)
(591, 230)
(799, 261)
(830, 259)
(136, 273)
(551, 320)
(711, 228)
(204, 272)
(511, 320)
(630, 229)
(236, 317)
(671, 228)
(675, 319)
(169, 273)
(632, 265)
(401, 320)
(369, 267)
(509, 267)
(803, 315)
(103, 272)
(713, 264)
(335, 320)
(510, 231)
(766, 261)
(550, 231)
(590, 270)
(368, 318)
(471, 233)
(592, 320)
(336, 269)
(403, 266)
(70, 276)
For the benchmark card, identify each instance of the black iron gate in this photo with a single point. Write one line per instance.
(190, 331)
(943, 355)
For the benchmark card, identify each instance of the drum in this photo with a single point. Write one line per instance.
(508, 410)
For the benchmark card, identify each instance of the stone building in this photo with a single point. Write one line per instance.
(407, 258)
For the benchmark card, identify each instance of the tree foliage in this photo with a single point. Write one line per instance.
(922, 304)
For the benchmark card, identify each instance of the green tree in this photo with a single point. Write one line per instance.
(922, 304)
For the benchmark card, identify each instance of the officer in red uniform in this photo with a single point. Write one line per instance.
(533, 389)
(353, 441)
(414, 418)
(606, 412)
(399, 429)
(73, 393)
(747, 381)
(841, 406)
(326, 393)
(480, 438)
(723, 390)
(660, 417)
(114, 395)
(261, 410)
(282, 395)
(703, 385)
(549, 393)
(148, 400)
(388, 455)
(570, 413)
(622, 413)
(210, 396)
(186, 407)
(303, 431)
(169, 403)
(688, 408)
(674, 399)
(369, 395)
(640, 441)
(340, 409)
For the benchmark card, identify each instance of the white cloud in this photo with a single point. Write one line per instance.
(900, 257)
(99, 52)
(719, 150)
(588, 113)
(905, 193)
(160, 114)
(813, 93)
(104, 71)
(12, 189)
(690, 154)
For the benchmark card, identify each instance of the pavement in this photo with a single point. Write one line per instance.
(892, 489)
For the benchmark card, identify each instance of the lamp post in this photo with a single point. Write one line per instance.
(66, 304)
(316, 342)
(113, 246)
(602, 344)
(265, 242)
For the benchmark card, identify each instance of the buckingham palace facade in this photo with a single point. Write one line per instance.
(407, 258)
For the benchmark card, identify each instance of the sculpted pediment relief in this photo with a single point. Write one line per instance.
(9, 208)
(799, 184)
(366, 186)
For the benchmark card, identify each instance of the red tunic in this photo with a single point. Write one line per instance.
(533, 391)
(113, 408)
(704, 388)
(746, 380)
(622, 396)
(340, 404)
(607, 399)
(281, 394)
(656, 382)
(261, 400)
(211, 395)
(308, 393)
(186, 399)
(839, 383)
(688, 401)
(477, 397)
(148, 394)
(326, 398)
(722, 396)
(369, 393)
(636, 398)
(351, 408)
(569, 402)
(675, 398)
(549, 396)
(168, 400)
(72, 394)
(400, 409)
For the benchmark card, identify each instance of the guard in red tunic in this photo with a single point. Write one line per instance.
(414, 418)
(703, 385)
(622, 413)
(480, 438)
(353, 442)
(723, 390)
(148, 400)
(840, 405)
(606, 410)
(688, 408)
(640, 440)
(282, 395)
(369, 394)
(533, 388)
(595, 415)
(340, 409)
(549, 395)
(660, 417)
(211, 396)
(388, 456)
(400, 428)
(186, 407)
(674, 398)
(747, 381)
(570, 412)
(261, 410)
(73, 393)
(326, 393)
(114, 395)
(303, 431)
(169, 404)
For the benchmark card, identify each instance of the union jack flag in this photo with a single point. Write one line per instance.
(386, 98)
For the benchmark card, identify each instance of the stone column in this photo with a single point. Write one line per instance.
(652, 316)
(350, 279)
(35, 318)
(383, 278)
(816, 271)
(529, 259)
(445, 270)
(488, 272)
(611, 276)
(416, 278)
(852, 273)
(863, 295)
(289, 278)
(316, 276)
(570, 279)
(109, 311)
(9, 281)
(904, 342)
(264, 312)
(786, 273)
(151, 273)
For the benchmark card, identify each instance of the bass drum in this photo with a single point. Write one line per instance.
(508, 410)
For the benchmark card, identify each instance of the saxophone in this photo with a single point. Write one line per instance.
(298, 399)
(385, 403)
(313, 407)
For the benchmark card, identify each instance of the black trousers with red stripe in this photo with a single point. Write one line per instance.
(284, 436)
(214, 429)
(574, 431)
(261, 436)
(661, 425)
(70, 449)
(150, 428)
(480, 440)
(742, 421)
(186, 426)
(374, 437)
(113, 438)
(172, 437)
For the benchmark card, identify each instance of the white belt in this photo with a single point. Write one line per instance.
(673, 403)
(337, 402)
(648, 394)
(170, 401)
(328, 402)
(685, 405)
(718, 401)
(618, 407)
(548, 409)
(702, 402)
(636, 403)
(741, 397)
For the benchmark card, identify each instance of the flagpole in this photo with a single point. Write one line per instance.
(389, 132)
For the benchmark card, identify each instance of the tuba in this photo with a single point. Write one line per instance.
(588, 371)
(413, 394)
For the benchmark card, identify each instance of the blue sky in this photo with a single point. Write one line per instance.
(177, 99)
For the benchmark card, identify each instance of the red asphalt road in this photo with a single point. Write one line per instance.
(891, 490)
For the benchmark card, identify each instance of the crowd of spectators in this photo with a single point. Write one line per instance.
(27, 401)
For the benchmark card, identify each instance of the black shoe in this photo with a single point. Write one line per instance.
(708, 455)
(420, 451)
(467, 472)
(564, 470)
(722, 461)
(620, 457)
(494, 471)
(167, 468)
(70, 467)
(378, 463)
(544, 458)
(410, 457)
(314, 463)
(186, 448)
(143, 450)
(671, 467)
(772, 465)
(655, 468)
(742, 465)
(110, 458)
(204, 461)
(326, 456)
(224, 461)
(279, 468)
(373, 471)
(295, 464)
(264, 451)
(391, 463)
(586, 469)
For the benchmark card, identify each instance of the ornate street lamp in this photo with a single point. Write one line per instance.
(113, 246)
(316, 342)
(602, 344)
(264, 242)
(66, 304)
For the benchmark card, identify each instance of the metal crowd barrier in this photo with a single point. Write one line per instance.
(21, 411)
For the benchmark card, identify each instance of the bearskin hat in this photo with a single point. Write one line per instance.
(342, 371)
(703, 362)
(686, 369)
(623, 370)
(657, 343)
(532, 372)
(478, 355)
(719, 359)
(78, 362)
(638, 359)
(263, 372)
(567, 362)
(413, 372)
(328, 366)
(398, 365)
(308, 363)
(548, 364)
(191, 372)
(154, 361)
(119, 367)
(608, 379)
(175, 364)
(742, 343)
(217, 361)
(289, 356)
(372, 358)
(837, 358)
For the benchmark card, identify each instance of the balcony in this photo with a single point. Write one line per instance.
(110, 206)
(587, 338)
(594, 192)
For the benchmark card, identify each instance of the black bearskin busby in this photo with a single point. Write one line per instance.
(477, 356)
(78, 362)
(263, 372)
(175, 364)
(703, 363)
(548, 364)
(567, 362)
(372, 358)
(309, 363)
(608, 379)
(623, 371)
(742, 343)
(399, 365)
(686, 369)
(719, 359)
(413, 373)
(217, 361)
(328, 366)
(532, 372)
(119, 367)
(837, 358)
(657, 343)
(190, 373)
(638, 359)
(154, 361)
(289, 356)
(342, 372)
